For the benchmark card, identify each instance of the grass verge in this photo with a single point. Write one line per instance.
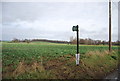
(93, 65)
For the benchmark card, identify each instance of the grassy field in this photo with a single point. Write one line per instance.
(43, 60)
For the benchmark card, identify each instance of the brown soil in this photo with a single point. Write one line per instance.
(53, 64)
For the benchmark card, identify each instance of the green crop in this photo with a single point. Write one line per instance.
(12, 53)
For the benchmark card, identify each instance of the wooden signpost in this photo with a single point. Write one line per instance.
(76, 28)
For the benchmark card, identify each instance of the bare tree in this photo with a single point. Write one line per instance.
(15, 40)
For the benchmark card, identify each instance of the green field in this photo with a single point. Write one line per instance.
(53, 56)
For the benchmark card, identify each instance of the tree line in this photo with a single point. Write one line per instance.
(89, 41)
(86, 41)
(15, 40)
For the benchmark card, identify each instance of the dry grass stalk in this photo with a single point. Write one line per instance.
(97, 53)
(37, 67)
(20, 69)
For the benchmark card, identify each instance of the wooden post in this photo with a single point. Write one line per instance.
(77, 39)
(110, 43)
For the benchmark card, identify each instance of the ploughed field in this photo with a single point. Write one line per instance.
(42, 60)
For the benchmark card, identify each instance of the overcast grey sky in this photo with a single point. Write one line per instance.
(54, 20)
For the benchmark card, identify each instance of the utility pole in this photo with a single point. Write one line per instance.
(110, 43)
